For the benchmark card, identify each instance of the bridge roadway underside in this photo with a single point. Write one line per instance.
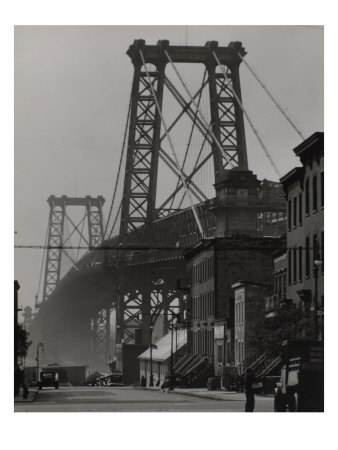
(64, 322)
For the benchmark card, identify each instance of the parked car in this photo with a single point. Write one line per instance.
(49, 379)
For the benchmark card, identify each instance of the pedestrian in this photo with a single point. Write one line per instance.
(249, 392)
(172, 379)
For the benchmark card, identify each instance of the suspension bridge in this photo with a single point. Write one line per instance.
(103, 284)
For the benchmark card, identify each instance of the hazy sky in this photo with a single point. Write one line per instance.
(72, 88)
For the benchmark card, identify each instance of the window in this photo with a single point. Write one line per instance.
(295, 265)
(284, 285)
(307, 196)
(322, 189)
(275, 286)
(307, 257)
(316, 249)
(300, 209)
(314, 193)
(295, 212)
(289, 214)
(322, 249)
(289, 267)
(300, 263)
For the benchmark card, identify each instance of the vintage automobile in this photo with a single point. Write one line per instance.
(49, 379)
(301, 384)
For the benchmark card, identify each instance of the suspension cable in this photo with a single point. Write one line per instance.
(81, 236)
(196, 163)
(119, 169)
(42, 264)
(248, 118)
(198, 222)
(117, 214)
(205, 123)
(271, 97)
(190, 135)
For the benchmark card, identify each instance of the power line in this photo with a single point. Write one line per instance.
(145, 248)
(271, 97)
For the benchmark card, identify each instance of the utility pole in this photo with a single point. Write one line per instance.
(16, 350)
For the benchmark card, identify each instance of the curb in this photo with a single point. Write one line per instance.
(31, 397)
(191, 394)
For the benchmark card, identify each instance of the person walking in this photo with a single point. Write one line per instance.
(249, 392)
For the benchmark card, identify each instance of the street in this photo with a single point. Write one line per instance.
(129, 399)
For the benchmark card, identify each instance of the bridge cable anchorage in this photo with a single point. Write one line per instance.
(248, 119)
(119, 171)
(205, 123)
(198, 222)
(271, 97)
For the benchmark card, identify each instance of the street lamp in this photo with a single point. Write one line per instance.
(40, 345)
(316, 264)
(151, 382)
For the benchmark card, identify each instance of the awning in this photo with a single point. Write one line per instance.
(162, 349)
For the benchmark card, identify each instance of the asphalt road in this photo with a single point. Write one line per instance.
(129, 399)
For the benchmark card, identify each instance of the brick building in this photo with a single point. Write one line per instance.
(237, 252)
(304, 189)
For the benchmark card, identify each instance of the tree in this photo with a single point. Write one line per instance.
(288, 324)
(22, 341)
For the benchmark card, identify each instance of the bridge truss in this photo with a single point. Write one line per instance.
(146, 258)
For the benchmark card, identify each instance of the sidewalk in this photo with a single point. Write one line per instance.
(202, 392)
(32, 394)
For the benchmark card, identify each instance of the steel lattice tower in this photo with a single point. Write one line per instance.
(58, 240)
(144, 141)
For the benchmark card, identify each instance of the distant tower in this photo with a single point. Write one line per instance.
(59, 237)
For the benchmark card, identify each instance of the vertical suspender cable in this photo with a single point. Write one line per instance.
(248, 118)
(271, 97)
(198, 222)
(199, 111)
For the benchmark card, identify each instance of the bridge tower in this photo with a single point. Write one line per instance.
(144, 141)
(223, 132)
(62, 227)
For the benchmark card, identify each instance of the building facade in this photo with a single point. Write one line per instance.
(304, 189)
(238, 251)
(278, 298)
(249, 308)
(215, 265)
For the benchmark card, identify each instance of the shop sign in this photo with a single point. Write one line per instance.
(219, 331)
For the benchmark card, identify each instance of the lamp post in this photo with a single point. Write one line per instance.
(40, 345)
(151, 381)
(317, 262)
